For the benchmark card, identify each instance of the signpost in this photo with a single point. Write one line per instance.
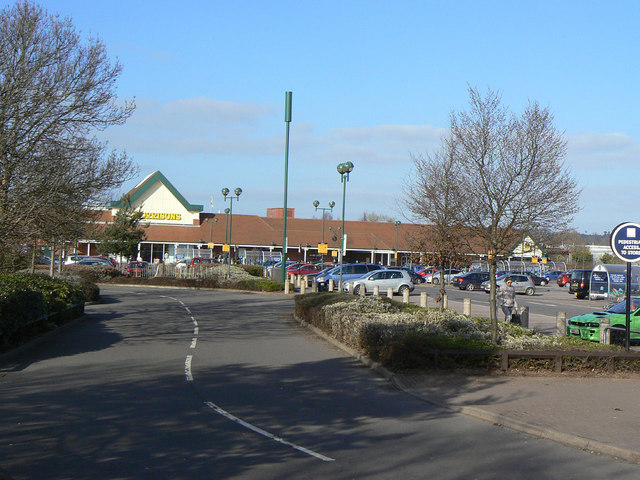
(625, 243)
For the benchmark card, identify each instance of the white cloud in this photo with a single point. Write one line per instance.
(603, 151)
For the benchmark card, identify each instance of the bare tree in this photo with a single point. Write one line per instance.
(509, 174)
(375, 217)
(55, 93)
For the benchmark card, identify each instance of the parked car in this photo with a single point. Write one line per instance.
(203, 261)
(399, 280)
(552, 275)
(350, 271)
(448, 275)
(306, 269)
(537, 280)
(587, 326)
(472, 280)
(426, 271)
(137, 268)
(94, 261)
(415, 278)
(563, 279)
(579, 284)
(520, 282)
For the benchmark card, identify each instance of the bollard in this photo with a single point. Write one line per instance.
(405, 296)
(331, 285)
(376, 290)
(467, 307)
(314, 285)
(340, 286)
(303, 287)
(363, 291)
(561, 324)
(524, 317)
(286, 287)
(298, 280)
(390, 292)
(445, 301)
(423, 299)
(605, 333)
(306, 280)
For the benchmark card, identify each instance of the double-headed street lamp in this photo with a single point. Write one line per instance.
(316, 204)
(225, 194)
(344, 169)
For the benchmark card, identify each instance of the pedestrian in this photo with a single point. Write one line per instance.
(507, 298)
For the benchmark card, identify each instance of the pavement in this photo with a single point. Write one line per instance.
(598, 414)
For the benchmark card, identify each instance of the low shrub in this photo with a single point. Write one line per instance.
(402, 336)
(27, 299)
(255, 270)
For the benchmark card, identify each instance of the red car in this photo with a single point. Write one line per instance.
(564, 279)
(137, 269)
(306, 270)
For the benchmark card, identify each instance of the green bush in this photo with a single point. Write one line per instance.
(27, 298)
(400, 336)
(255, 270)
(259, 285)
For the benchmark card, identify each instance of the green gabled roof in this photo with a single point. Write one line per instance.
(157, 176)
(535, 243)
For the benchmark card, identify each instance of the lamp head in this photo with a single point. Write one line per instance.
(227, 210)
(316, 203)
(237, 191)
(225, 191)
(332, 204)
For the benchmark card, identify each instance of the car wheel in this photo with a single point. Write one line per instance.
(617, 337)
(471, 286)
(529, 291)
(402, 289)
(356, 290)
(436, 281)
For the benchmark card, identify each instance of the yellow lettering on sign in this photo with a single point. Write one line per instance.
(162, 216)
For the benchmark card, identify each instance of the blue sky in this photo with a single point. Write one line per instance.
(373, 82)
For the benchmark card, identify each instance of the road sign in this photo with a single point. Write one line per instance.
(225, 248)
(211, 245)
(625, 242)
(323, 248)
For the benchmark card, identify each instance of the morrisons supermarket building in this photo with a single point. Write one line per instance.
(178, 229)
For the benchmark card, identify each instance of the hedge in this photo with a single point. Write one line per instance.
(28, 300)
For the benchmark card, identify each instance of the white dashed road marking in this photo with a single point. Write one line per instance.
(189, 378)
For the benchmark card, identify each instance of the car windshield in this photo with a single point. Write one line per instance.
(622, 306)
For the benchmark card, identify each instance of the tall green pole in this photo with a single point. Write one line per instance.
(287, 120)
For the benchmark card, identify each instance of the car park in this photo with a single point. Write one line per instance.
(579, 284)
(398, 280)
(520, 282)
(587, 326)
(472, 280)
(350, 271)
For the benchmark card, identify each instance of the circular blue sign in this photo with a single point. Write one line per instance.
(625, 242)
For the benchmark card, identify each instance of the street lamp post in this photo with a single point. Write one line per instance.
(344, 169)
(397, 224)
(225, 194)
(316, 204)
(215, 220)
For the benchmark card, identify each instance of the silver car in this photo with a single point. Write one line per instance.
(521, 284)
(399, 280)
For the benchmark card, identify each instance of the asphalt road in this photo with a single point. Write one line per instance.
(194, 384)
